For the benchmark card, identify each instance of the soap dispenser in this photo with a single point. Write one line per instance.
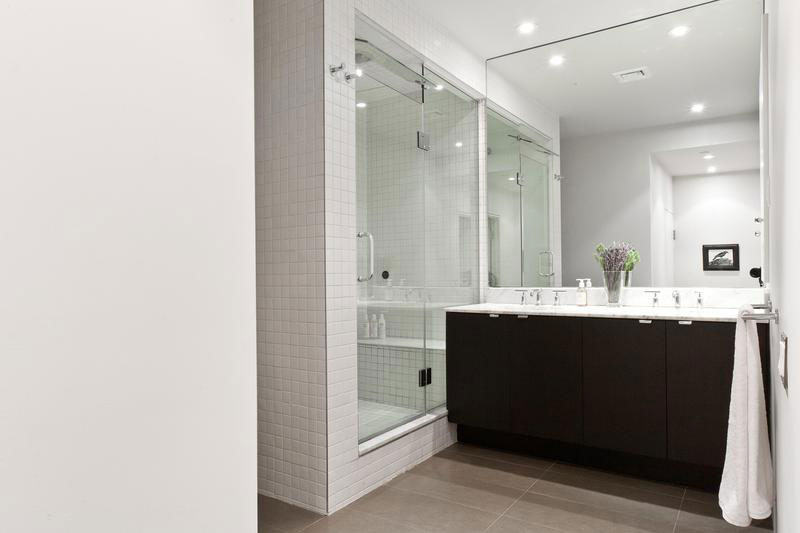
(581, 296)
(381, 327)
(373, 327)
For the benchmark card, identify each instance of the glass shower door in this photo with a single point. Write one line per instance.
(390, 220)
(537, 257)
(451, 221)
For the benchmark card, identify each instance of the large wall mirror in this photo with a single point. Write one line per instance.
(657, 145)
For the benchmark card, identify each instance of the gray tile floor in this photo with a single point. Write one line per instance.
(467, 488)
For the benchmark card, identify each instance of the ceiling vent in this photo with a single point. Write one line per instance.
(633, 74)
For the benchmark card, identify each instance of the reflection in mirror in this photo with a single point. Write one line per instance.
(518, 184)
(659, 147)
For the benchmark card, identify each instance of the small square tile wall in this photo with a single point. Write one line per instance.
(306, 249)
(290, 215)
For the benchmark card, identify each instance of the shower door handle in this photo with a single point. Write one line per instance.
(368, 235)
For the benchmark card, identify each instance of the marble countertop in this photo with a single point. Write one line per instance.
(701, 314)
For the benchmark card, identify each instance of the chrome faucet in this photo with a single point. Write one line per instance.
(522, 294)
(655, 296)
(699, 298)
(537, 294)
(676, 296)
(556, 294)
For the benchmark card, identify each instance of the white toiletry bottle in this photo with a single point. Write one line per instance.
(363, 325)
(381, 327)
(388, 293)
(373, 327)
(580, 294)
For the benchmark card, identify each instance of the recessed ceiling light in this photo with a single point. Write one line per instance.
(526, 28)
(698, 108)
(712, 169)
(361, 105)
(708, 156)
(557, 61)
(359, 72)
(439, 87)
(679, 31)
(459, 144)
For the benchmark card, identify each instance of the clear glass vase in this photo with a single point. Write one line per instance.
(613, 280)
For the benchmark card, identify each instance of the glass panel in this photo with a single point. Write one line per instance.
(503, 202)
(537, 257)
(451, 221)
(390, 208)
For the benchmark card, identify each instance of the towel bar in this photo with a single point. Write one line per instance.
(771, 315)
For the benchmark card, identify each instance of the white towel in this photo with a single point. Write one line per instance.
(746, 489)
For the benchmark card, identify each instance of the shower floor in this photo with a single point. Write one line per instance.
(374, 418)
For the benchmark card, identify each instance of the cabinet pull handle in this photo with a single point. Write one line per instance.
(522, 316)
(685, 322)
(492, 315)
(645, 322)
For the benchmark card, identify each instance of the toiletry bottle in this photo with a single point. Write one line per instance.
(363, 325)
(373, 327)
(588, 284)
(388, 293)
(580, 295)
(381, 327)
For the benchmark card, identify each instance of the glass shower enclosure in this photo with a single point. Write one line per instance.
(518, 201)
(417, 223)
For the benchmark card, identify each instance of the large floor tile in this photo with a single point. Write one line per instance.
(697, 495)
(500, 455)
(600, 492)
(505, 524)
(696, 517)
(275, 515)
(349, 521)
(572, 516)
(619, 479)
(460, 468)
(473, 492)
(424, 512)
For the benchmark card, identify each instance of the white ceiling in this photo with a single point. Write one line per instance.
(730, 157)
(488, 28)
(717, 63)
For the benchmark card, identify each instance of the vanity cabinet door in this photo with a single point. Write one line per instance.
(624, 386)
(478, 370)
(546, 378)
(699, 374)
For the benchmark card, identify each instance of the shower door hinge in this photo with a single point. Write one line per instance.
(520, 179)
(423, 141)
(425, 377)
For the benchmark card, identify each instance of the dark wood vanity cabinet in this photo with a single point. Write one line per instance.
(699, 375)
(545, 379)
(624, 386)
(643, 397)
(478, 375)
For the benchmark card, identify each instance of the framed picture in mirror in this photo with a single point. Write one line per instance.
(721, 257)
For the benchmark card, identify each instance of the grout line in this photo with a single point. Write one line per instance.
(440, 498)
(678, 516)
(502, 460)
(520, 496)
(320, 519)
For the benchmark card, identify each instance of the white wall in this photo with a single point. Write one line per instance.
(784, 116)
(662, 223)
(716, 209)
(606, 188)
(127, 294)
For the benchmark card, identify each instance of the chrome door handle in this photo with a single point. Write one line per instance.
(551, 264)
(368, 235)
